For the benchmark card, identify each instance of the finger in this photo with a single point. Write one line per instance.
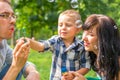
(22, 49)
(78, 76)
(65, 73)
(27, 51)
(27, 39)
(22, 38)
(26, 46)
(17, 46)
(66, 76)
(62, 78)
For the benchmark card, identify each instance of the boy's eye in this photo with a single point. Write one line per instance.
(68, 25)
(60, 25)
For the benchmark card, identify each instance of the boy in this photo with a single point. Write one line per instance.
(68, 51)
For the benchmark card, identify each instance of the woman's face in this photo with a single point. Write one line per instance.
(90, 39)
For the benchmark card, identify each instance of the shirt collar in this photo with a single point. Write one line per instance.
(77, 42)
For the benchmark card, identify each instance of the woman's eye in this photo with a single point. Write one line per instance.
(91, 34)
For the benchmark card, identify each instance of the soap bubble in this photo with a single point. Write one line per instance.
(51, 0)
(74, 3)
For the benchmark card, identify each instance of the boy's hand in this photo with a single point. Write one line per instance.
(23, 39)
(73, 76)
(68, 76)
(78, 76)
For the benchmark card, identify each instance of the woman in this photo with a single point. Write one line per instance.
(102, 39)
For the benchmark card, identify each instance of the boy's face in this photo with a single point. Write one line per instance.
(67, 27)
(7, 21)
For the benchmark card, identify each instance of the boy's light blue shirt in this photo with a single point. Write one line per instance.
(72, 58)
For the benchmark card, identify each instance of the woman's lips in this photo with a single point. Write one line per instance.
(86, 44)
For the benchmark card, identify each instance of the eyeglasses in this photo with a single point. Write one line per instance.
(8, 16)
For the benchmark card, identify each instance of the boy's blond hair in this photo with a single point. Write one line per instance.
(75, 15)
(72, 13)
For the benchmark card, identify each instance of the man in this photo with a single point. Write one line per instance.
(13, 62)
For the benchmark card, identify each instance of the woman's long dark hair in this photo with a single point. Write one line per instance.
(108, 45)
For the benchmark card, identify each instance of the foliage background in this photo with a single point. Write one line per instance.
(39, 17)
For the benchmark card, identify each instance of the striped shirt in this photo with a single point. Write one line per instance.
(70, 58)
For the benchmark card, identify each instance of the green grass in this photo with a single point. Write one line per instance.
(43, 64)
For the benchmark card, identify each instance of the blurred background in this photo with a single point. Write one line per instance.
(38, 19)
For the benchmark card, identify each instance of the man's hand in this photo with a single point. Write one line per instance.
(20, 55)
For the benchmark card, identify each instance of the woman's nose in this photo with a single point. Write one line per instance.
(84, 37)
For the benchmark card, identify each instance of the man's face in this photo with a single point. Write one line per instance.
(7, 21)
